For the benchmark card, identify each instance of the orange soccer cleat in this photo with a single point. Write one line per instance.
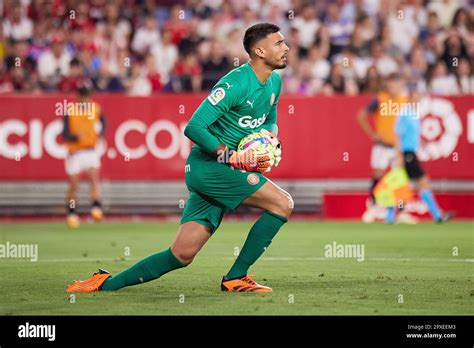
(92, 284)
(243, 284)
(97, 214)
(72, 221)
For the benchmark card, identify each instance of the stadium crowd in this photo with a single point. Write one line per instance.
(147, 47)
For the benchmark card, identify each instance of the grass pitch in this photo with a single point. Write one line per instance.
(406, 270)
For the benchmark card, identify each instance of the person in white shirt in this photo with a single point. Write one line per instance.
(465, 77)
(18, 27)
(320, 67)
(166, 55)
(147, 36)
(442, 83)
(53, 64)
(403, 29)
(138, 84)
(307, 25)
(445, 9)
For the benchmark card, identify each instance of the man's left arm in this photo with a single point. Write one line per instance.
(103, 122)
(270, 123)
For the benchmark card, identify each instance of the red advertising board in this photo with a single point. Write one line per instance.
(351, 205)
(145, 140)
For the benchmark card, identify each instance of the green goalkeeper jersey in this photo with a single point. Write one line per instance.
(239, 104)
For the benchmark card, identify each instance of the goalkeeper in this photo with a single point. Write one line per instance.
(218, 178)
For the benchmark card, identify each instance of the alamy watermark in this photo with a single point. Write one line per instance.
(19, 251)
(37, 331)
(390, 108)
(336, 250)
(75, 108)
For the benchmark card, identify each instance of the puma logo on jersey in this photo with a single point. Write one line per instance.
(248, 121)
(250, 103)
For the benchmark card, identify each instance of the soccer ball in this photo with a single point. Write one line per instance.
(261, 144)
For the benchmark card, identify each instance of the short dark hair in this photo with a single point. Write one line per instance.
(257, 32)
(394, 76)
(75, 62)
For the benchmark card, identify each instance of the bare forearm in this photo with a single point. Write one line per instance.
(362, 120)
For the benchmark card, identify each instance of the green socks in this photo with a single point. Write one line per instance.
(149, 268)
(259, 238)
(154, 266)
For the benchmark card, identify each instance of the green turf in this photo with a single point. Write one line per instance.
(414, 261)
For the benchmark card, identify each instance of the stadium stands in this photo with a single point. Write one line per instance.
(149, 47)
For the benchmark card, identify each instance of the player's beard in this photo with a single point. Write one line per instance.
(277, 64)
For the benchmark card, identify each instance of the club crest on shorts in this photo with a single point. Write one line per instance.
(216, 96)
(253, 179)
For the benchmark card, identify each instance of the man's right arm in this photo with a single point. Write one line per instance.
(219, 101)
(363, 120)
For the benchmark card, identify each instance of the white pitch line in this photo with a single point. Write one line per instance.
(269, 258)
(84, 259)
(385, 259)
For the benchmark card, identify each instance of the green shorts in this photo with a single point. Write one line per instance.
(214, 188)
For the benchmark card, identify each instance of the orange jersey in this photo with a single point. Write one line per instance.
(385, 116)
(84, 121)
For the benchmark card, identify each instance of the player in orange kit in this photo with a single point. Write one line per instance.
(383, 109)
(84, 124)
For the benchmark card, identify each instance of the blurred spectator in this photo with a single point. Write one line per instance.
(340, 28)
(17, 26)
(432, 49)
(445, 10)
(166, 56)
(79, 17)
(359, 42)
(138, 83)
(121, 26)
(403, 29)
(465, 77)
(235, 49)
(442, 82)
(454, 49)
(302, 81)
(307, 25)
(190, 43)
(416, 70)
(177, 26)
(53, 64)
(337, 83)
(109, 47)
(188, 74)
(146, 36)
(215, 66)
(70, 83)
(20, 57)
(90, 61)
(384, 63)
(323, 40)
(320, 67)
(432, 27)
(345, 45)
(372, 82)
(152, 73)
